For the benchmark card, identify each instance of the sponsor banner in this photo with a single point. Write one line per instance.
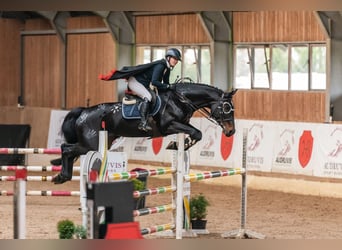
(215, 149)
(284, 147)
(259, 145)
(121, 144)
(328, 162)
(55, 136)
(147, 149)
(116, 162)
(293, 148)
(141, 149)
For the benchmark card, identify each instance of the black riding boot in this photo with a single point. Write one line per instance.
(143, 125)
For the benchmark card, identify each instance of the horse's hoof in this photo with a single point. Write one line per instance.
(59, 179)
(172, 145)
(186, 146)
(56, 162)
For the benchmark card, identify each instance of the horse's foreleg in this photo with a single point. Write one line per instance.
(195, 135)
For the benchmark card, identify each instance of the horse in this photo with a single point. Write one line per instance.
(81, 125)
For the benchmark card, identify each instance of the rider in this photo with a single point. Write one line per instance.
(140, 77)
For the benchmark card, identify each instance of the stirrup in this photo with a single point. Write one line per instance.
(144, 127)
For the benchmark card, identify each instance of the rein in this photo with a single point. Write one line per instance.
(205, 113)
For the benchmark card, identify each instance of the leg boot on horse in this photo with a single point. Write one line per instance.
(143, 125)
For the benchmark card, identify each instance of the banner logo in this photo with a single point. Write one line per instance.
(226, 146)
(305, 148)
(157, 144)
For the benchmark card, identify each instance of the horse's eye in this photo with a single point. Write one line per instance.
(227, 108)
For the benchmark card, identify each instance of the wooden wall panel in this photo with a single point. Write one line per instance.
(9, 61)
(37, 24)
(42, 71)
(88, 55)
(170, 29)
(85, 22)
(276, 26)
(280, 105)
(37, 118)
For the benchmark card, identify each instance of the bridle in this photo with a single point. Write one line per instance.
(222, 109)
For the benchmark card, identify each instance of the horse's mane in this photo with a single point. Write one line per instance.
(202, 85)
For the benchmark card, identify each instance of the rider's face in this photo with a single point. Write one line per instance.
(173, 61)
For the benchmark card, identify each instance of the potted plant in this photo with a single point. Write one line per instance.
(198, 211)
(138, 185)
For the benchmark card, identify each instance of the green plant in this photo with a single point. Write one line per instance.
(66, 229)
(138, 184)
(198, 207)
(80, 232)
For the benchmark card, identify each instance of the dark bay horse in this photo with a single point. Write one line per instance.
(81, 125)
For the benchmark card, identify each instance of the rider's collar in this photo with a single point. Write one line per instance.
(168, 64)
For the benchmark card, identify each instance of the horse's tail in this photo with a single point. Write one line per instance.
(68, 126)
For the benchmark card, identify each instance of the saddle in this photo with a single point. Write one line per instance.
(131, 102)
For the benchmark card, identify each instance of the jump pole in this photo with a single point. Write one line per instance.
(91, 176)
(179, 185)
(19, 201)
(242, 232)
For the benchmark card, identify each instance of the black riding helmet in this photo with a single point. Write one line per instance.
(173, 52)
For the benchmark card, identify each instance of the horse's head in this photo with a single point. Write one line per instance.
(222, 112)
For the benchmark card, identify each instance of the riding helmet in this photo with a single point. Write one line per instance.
(173, 52)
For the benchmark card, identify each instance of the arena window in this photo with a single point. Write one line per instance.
(280, 66)
(196, 62)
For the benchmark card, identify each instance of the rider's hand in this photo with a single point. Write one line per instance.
(172, 86)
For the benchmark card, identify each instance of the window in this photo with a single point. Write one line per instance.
(243, 77)
(299, 68)
(196, 61)
(261, 65)
(280, 66)
(318, 69)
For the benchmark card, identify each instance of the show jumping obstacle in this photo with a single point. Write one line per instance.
(20, 178)
(179, 180)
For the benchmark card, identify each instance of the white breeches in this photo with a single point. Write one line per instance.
(138, 88)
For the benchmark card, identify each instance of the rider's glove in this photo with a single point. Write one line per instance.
(172, 86)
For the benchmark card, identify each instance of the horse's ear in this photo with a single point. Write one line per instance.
(231, 93)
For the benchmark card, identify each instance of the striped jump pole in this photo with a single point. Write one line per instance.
(154, 191)
(153, 210)
(49, 168)
(158, 228)
(141, 173)
(213, 174)
(34, 178)
(49, 151)
(42, 193)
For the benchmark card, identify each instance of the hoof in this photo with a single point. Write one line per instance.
(172, 145)
(56, 162)
(59, 179)
(186, 146)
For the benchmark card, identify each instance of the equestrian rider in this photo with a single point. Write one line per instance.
(159, 77)
(140, 77)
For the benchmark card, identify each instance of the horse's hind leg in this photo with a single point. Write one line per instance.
(69, 153)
